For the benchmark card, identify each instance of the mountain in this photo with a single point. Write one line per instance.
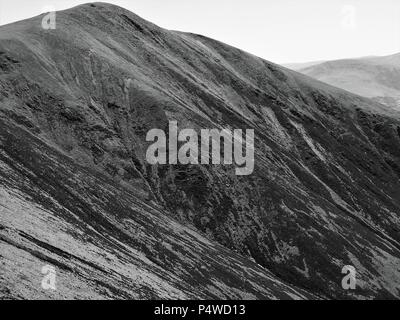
(301, 65)
(372, 77)
(77, 192)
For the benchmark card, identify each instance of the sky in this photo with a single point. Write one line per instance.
(282, 31)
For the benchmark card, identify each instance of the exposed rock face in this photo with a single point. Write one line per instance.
(372, 77)
(75, 106)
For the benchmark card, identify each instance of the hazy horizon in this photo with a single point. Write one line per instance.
(284, 32)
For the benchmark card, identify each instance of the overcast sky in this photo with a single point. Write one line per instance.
(278, 30)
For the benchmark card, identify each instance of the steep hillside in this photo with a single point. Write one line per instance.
(325, 191)
(104, 240)
(372, 77)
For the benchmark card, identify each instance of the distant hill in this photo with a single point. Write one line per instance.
(372, 77)
(301, 65)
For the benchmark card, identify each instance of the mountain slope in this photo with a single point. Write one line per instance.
(325, 192)
(372, 77)
(105, 242)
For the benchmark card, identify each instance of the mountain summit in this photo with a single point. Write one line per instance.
(77, 192)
